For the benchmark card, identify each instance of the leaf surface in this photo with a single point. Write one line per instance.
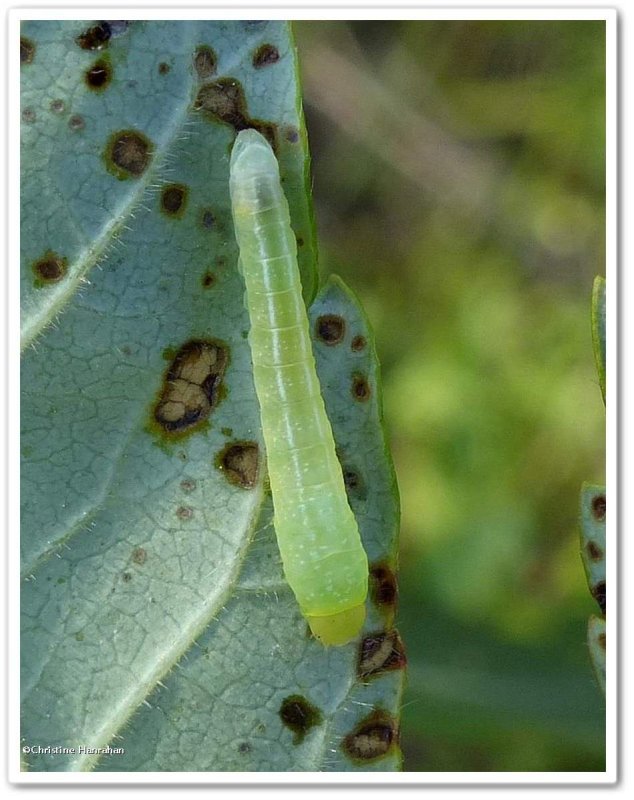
(154, 612)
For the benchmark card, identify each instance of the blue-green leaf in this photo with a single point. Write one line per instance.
(596, 645)
(593, 539)
(147, 553)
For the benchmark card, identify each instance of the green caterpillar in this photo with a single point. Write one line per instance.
(322, 555)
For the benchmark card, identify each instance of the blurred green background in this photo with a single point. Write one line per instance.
(459, 187)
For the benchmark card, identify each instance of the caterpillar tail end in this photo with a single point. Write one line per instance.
(340, 628)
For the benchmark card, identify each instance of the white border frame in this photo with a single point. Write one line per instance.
(354, 10)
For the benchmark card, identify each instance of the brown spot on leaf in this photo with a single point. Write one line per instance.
(372, 738)
(299, 715)
(139, 554)
(191, 387)
(330, 328)
(265, 55)
(598, 592)
(76, 122)
(128, 154)
(383, 586)
(205, 61)
(360, 387)
(381, 652)
(188, 485)
(99, 75)
(27, 50)
(127, 577)
(95, 37)
(354, 483)
(223, 101)
(207, 218)
(174, 199)
(50, 268)
(291, 134)
(244, 747)
(28, 115)
(598, 507)
(601, 640)
(594, 551)
(57, 106)
(239, 462)
(163, 68)
(208, 279)
(358, 343)
(184, 512)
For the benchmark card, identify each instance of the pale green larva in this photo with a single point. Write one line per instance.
(323, 558)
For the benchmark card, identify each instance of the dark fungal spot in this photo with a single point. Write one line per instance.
(128, 154)
(205, 61)
(207, 218)
(330, 328)
(358, 343)
(360, 387)
(601, 640)
(57, 106)
(208, 279)
(95, 37)
(300, 241)
(76, 122)
(226, 431)
(139, 554)
(163, 68)
(299, 715)
(223, 101)
(598, 592)
(28, 115)
(99, 75)
(383, 586)
(265, 55)
(598, 507)
(191, 386)
(381, 652)
(127, 577)
(594, 551)
(174, 199)
(27, 50)
(372, 738)
(354, 483)
(188, 485)
(244, 747)
(51, 268)
(239, 462)
(184, 512)
(291, 134)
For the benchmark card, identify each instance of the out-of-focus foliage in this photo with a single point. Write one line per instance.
(459, 187)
